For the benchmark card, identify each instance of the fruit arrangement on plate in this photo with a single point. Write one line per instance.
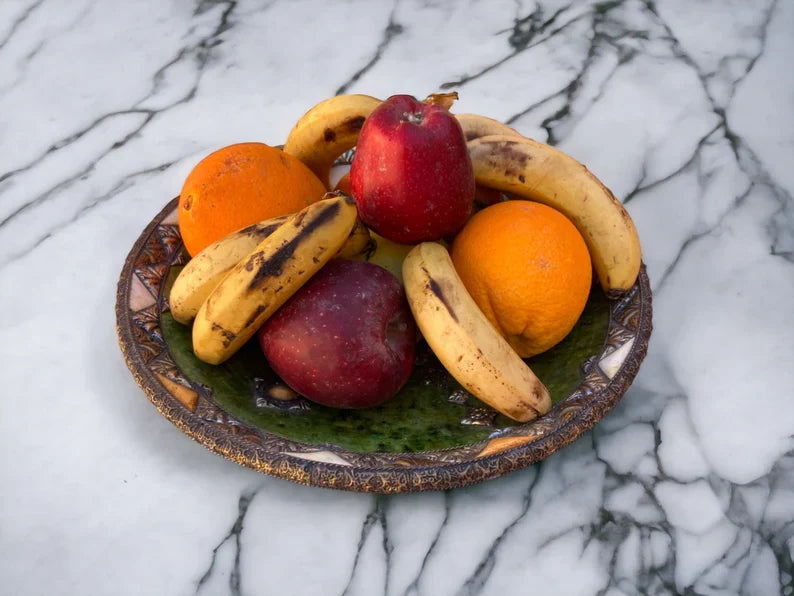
(450, 230)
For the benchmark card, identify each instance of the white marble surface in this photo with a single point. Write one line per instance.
(683, 108)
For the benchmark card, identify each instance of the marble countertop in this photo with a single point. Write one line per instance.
(684, 109)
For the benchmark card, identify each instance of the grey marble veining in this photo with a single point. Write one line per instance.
(684, 109)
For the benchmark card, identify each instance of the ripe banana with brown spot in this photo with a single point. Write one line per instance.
(263, 280)
(358, 243)
(541, 173)
(327, 130)
(475, 126)
(205, 271)
(465, 342)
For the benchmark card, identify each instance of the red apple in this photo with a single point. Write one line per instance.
(345, 339)
(411, 176)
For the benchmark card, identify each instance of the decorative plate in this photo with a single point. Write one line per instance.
(432, 436)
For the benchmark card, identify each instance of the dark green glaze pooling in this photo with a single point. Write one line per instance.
(419, 418)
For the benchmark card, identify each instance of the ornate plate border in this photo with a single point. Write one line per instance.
(140, 301)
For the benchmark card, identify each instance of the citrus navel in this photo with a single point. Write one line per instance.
(528, 269)
(240, 185)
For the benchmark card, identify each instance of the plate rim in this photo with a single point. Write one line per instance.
(439, 475)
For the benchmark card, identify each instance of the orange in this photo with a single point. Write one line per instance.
(528, 269)
(240, 185)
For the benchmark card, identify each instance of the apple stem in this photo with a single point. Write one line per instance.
(445, 100)
(413, 117)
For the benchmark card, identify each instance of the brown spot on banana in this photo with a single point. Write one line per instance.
(297, 221)
(354, 124)
(252, 319)
(274, 266)
(435, 288)
(228, 336)
(263, 229)
(506, 150)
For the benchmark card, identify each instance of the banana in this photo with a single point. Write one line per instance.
(475, 126)
(538, 172)
(263, 280)
(205, 271)
(387, 254)
(327, 130)
(359, 242)
(465, 342)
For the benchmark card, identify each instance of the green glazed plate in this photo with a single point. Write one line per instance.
(432, 436)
